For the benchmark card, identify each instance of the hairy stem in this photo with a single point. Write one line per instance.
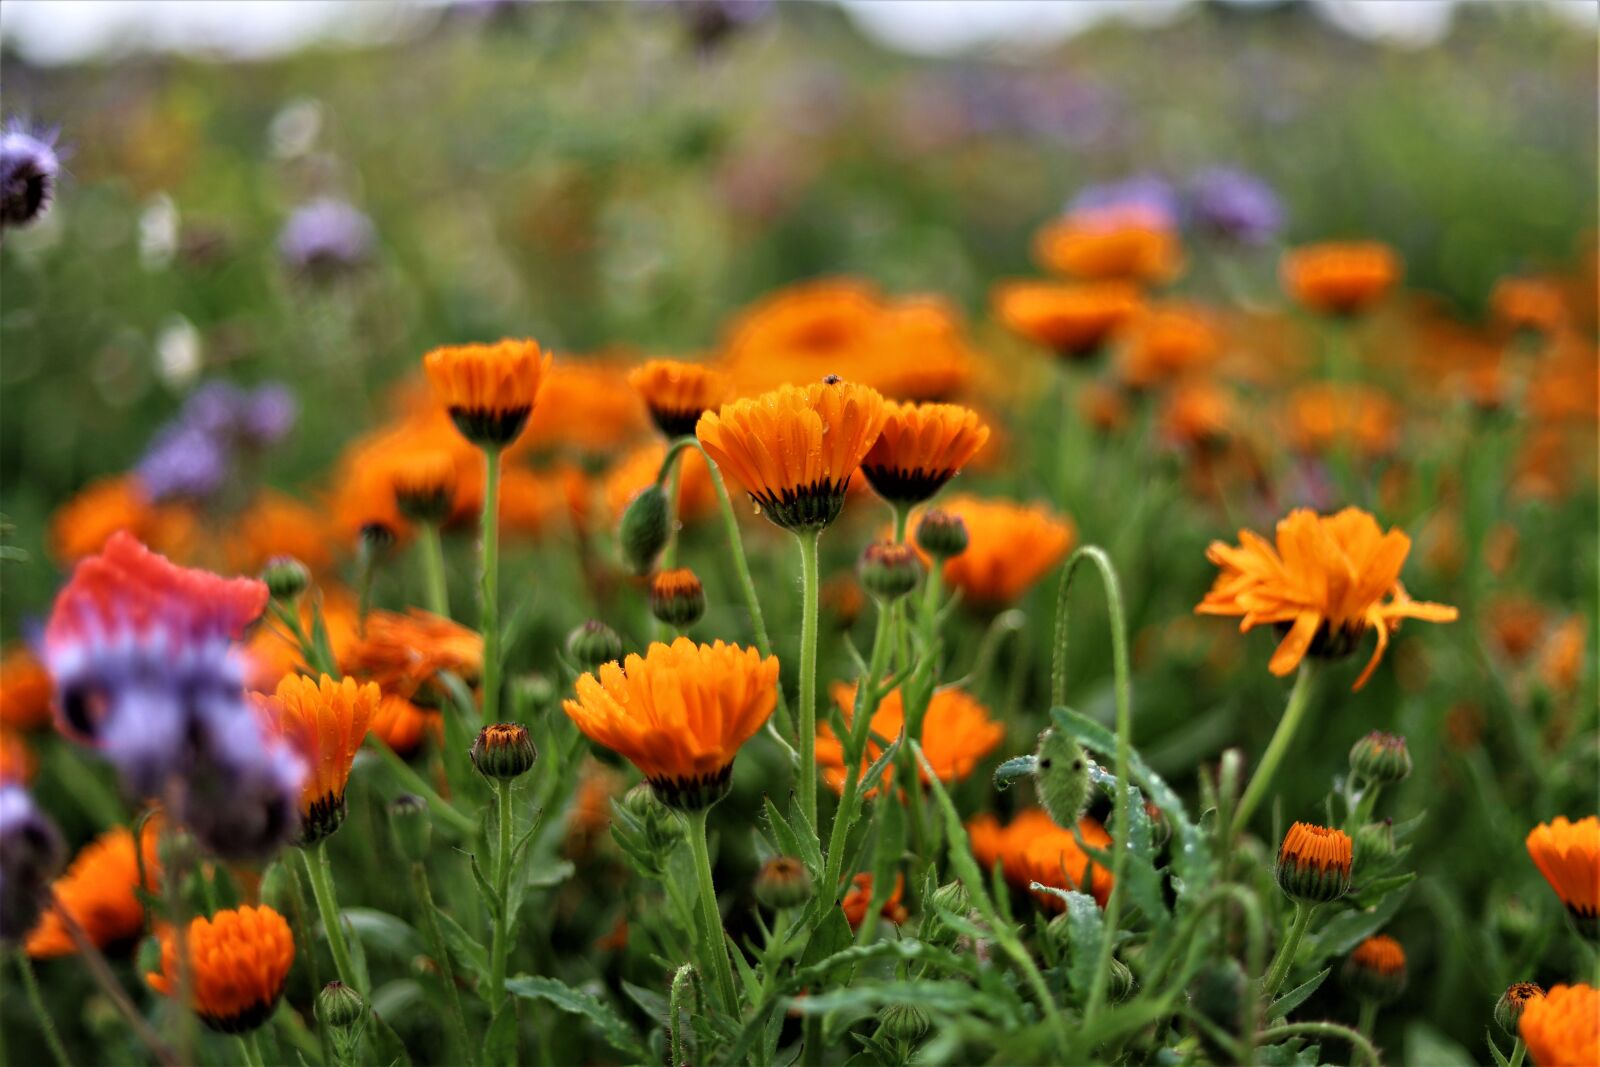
(716, 947)
(502, 886)
(315, 859)
(431, 549)
(1278, 747)
(489, 588)
(1288, 950)
(808, 675)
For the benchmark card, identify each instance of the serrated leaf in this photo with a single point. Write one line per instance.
(1296, 996)
(466, 949)
(491, 899)
(789, 842)
(617, 1033)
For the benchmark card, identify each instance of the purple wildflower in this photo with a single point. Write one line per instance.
(1235, 205)
(267, 415)
(1148, 195)
(241, 798)
(183, 463)
(30, 855)
(326, 236)
(29, 167)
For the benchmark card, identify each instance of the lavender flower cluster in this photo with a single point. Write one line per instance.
(29, 166)
(192, 457)
(326, 236)
(1224, 202)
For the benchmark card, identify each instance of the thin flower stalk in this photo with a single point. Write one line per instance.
(505, 817)
(1281, 963)
(714, 946)
(435, 590)
(315, 859)
(41, 1014)
(809, 586)
(1293, 714)
(489, 587)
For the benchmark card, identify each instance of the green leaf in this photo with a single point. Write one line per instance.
(466, 949)
(1085, 931)
(383, 931)
(1494, 1049)
(1348, 929)
(617, 1033)
(1296, 996)
(1424, 1044)
(391, 999)
(789, 842)
(491, 899)
(1012, 769)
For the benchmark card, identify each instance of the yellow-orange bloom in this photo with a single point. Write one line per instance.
(921, 447)
(1340, 277)
(1010, 547)
(1075, 320)
(1562, 1028)
(957, 732)
(276, 524)
(1326, 583)
(1322, 416)
(424, 485)
(1532, 304)
(678, 393)
(99, 891)
(1568, 855)
(325, 721)
(82, 525)
(1110, 244)
(794, 449)
(1381, 953)
(679, 713)
(1197, 414)
(404, 654)
(489, 390)
(1052, 857)
(1314, 863)
(238, 963)
(25, 690)
(583, 410)
(402, 725)
(1166, 343)
(858, 898)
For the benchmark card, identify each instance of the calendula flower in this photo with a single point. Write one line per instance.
(1198, 414)
(583, 411)
(1010, 546)
(678, 393)
(402, 725)
(1322, 416)
(794, 449)
(99, 891)
(677, 598)
(1115, 243)
(275, 524)
(919, 351)
(1532, 305)
(1513, 1002)
(1075, 320)
(1167, 343)
(1376, 970)
(957, 732)
(1562, 1028)
(17, 764)
(1568, 855)
(325, 721)
(1340, 277)
(921, 447)
(25, 689)
(489, 390)
(679, 713)
(424, 485)
(697, 498)
(858, 898)
(239, 960)
(808, 330)
(1314, 863)
(82, 526)
(405, 654)
(1052, 857)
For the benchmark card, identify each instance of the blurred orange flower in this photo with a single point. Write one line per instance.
(1074, 320)
(98, 891)
(957, 732)
(405, 653)
(25, 689)
(1010, 547)
(1322, 416)
(277, 525)
(1340, 277)
(1110, 244)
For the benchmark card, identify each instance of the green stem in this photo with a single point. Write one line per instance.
(250, 1049)
(1369, 1016)
(1287, 951)
(1278, 747)
(502, 886)
(46, 1024)
(432, 551)
(1322, 1029)
(669, 552)
(902, 517)
(441, 955)
(1518, 1051)
(833, 869)
(315, 859)
(415, 783)
(489, 587)
(716, 946)
(808, 674)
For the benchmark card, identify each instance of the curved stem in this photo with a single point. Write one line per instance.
(1369, 1017)
(716, 945)
(502, 885)
(808, 674)
(1278, 747)
(1289, 949)
(435, 589)
(489, 587)
(47, 1025)
(1518, 1051)
(1322, 1029)
(315, 859)
(250, 1049)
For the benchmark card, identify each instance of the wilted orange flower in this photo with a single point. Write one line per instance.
(98, 891)
(402, 725)
(1110, 244)
(1197, 414)
(1562, 1028)
(921, 448)
(489, 390)
(25, 689)
(17, 764)
(1010, 546)
(1327, 582)
(82, 525)
(276, 525)
(679, 713)
(858, 898)
(1340, 277)
(957, 732)
(1166, 343)
(1568, 855)
(697, 497)
(1074, 320)
(1322, 416)
(239, 961)
(1052, 857)
(794, 449)
(678, 393)
(1532, 304)
(403, 654)
(325, 722)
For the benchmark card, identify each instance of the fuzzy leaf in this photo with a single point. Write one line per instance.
(617, 1033)
(1296, 996)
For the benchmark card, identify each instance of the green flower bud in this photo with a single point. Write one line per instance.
(286, 577)
(783, 882)
(889, 571)
(1376, 970)
(1380, 757)
(904, 1022)
(594, 643)
(677, 598)
(504, 751)
(643, 533)
(1121, 981)
(412, 826)
(532, 692)
(1374, 843)
(1314, 863)
(1061, 776)
(941, 534)
(1508, 1009)
(339, 1007)
(952, 897)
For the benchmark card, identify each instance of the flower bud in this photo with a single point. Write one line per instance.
(504, 751)
(531, 692)
(941, 534)
(783, 882)
(889, 571)
(339, 1007)
(951, 897)
(594, 643)
(904, 1022)
(411, 825)
(1120, 982)
(677, 597)
(1374, 843)
(1061, 777)
(1508, 1009)
(1314, 864)
(643, 533)
(1376, 970)
(286, 577)
(1380, 757)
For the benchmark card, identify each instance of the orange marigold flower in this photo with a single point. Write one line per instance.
(272, 652)
(1198, 414)
(582, 410)
(697, 497)
(1562, 1028)
(817, 327)
(1568, 855)
(17, 763)
(1052, 857)
(489, 390)
(402, 725)
(1376, 969)
(99, 891)
(1320, 417)
(405, 654)
(25, 689)
(424, 485)
(82, 526)
(1010, 547)
(957, 732)
(918, 352)
(1562, 659)
(1110, 244)
(325, 721)
(679, 713)
(678, 393)
(858, 898)
(239, 961)
(921, 447)
(1327, 582)
(1340, 277)
(794, 449)
(1167, 343)
(1074, 320)
(1314, 863)
(276, 524)
(1532, 304)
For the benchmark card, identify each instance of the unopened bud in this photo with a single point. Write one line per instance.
(504, 751)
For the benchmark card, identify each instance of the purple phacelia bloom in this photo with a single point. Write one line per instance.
(30, 855)
(191, 458)
(1148, 195)
(213, 409)
(1235, 205)
(183, 463)
(29, 167)
(326, 236)
(268, 415)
